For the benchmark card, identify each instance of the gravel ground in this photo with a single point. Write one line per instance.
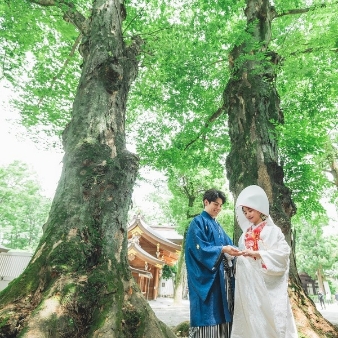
(173, 314)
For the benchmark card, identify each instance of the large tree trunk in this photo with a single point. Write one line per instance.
(78, 283)
(252, 103)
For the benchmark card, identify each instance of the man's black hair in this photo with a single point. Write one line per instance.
(211, 195)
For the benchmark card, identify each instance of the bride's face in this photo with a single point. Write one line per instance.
(252, 215)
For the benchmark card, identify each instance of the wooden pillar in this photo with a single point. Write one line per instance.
(156, 281)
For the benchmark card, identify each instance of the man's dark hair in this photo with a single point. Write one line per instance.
(211, 195)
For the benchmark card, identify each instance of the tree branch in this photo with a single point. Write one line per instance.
(72, 52)
(211, 119)
(70, 14)
(311, 50)
(303, 10)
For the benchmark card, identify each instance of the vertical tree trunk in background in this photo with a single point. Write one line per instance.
(252, 102)
(320, 279)
(78, 283)
(334, 169)
(180, 277)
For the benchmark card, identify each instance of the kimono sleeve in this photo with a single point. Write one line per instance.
(276, 256)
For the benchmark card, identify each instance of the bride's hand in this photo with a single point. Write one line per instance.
(251, 253)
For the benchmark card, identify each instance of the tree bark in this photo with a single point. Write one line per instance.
(180, 277)
(320, 279)
(78, 283)
(253, 107)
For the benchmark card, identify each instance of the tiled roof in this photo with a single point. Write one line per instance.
(138, 221)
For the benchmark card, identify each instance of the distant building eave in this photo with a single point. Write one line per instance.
(152, 234)
(144, 255)
(141, 272)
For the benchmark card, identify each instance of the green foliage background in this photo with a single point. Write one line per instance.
(23, 208)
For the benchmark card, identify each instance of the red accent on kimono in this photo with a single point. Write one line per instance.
(251, 238)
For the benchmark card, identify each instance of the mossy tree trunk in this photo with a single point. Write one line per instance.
(78, 283)
(253, 106)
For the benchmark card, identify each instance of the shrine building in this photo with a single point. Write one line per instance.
(148, 251)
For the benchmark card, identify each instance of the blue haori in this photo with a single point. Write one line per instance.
(209, 284)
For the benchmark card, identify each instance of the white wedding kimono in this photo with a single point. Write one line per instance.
(262, 306)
